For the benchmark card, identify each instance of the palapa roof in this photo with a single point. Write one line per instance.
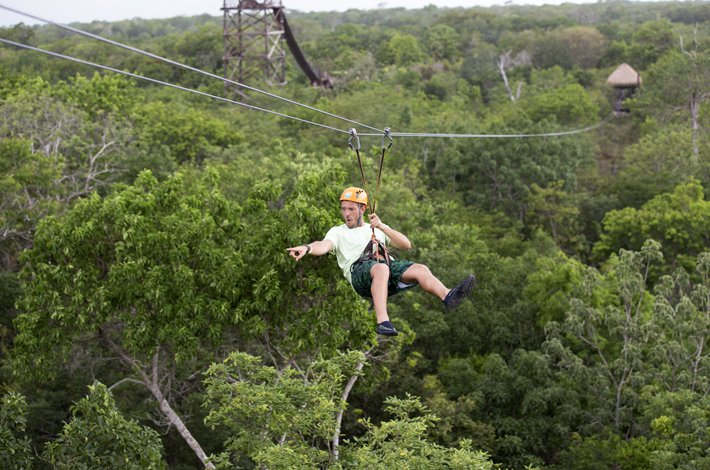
(624, 76)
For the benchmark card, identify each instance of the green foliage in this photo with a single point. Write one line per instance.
(656, 164)
(98, 436)
(201, 48)
(99, 95)
(161, 260)
(443, 42)
(15, 449)
(581, 46)
(193, 265)
(556, 212)
(528, 405)
(676, 421)
(569, 104)
(401, 50)
(650, 41)
(497, 174)
(555, 280)
(681, 308)
(678, 80)
(678, 220)
(85, 145)
(401, 443)
(277, 418)
(457, 416)
(27, 191)
(187, 135)
(603, 340)
(9, 292)
(611, 452)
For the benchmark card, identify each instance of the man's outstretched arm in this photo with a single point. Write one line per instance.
(317, 248)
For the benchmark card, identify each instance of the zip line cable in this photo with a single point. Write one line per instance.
(603, 122)
(276, 113)
(184, 66)
(160, 82)
(187, 67)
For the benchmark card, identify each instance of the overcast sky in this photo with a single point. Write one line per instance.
(67, 11)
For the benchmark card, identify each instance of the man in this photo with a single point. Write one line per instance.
(373, 276)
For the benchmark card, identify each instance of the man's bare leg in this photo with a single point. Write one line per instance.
(380, 274)
(421, 274)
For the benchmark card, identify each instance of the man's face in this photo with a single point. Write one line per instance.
(352, 213)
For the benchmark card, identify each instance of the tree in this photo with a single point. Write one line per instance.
(570, 104)
(580, 46)
(158, 273)
(279, 418)
(15, 448)
(99, 95)
(187, 135)
(98, 436)
(556, 212)
(682, 308)
(28, 192)
(531, 407)
(678, 220)
(285, 419)
(143, 274)
(650, 41)
(660, 161)
(497, 173)
(81, 142)
(401, 443)
(443, 42)
(674, 422)
(549, 287)
(677, 83)
(402, 50)
(604, 340)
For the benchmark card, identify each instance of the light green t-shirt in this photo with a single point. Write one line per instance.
(349, 243)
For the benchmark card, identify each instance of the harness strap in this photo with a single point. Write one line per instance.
(375, 249)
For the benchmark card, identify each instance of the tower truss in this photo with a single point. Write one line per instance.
(253, 42)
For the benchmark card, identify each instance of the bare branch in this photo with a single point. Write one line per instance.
(343, 402)
(124, 380)
(503, 61)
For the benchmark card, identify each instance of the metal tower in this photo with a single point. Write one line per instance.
(253, 41)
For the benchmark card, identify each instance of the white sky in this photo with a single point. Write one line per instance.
(67, 11)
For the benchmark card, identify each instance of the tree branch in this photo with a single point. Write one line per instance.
(163, 404)
(124, 380)
(343, 402)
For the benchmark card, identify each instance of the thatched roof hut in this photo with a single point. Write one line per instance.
(624, 77)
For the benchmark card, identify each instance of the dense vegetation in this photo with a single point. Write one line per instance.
(150, 316)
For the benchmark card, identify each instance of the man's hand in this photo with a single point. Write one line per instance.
(298, 252)
(397, 239)
(375, 221)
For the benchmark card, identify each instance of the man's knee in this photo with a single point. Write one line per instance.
(416, 272)
(379, 269)
(424, 268)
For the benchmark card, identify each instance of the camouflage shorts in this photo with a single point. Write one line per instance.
(361, 279)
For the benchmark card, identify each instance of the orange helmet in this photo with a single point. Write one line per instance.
(355, 195)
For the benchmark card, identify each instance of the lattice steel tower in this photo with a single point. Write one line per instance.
(253, 41)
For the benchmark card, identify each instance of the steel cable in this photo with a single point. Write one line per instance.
(160, 82)
(311, 108)
(184, 66)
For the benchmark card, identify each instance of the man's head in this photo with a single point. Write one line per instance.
(353, 202)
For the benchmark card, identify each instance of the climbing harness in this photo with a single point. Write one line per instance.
(375, 249)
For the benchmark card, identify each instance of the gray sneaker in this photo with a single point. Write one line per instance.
(386, 330)
(457, 294)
